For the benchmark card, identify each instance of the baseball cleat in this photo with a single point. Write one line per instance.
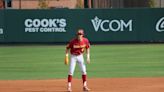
(69, 89)
(86, 89)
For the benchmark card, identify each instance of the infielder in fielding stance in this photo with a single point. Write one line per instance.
(77, 46)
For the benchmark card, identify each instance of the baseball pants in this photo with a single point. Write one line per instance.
(77, 59)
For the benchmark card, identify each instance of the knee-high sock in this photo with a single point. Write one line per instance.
(84, 78)
(69, 80)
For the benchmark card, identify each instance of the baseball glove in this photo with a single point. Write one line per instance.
(66, 61)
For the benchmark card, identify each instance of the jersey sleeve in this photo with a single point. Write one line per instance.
(69, 45)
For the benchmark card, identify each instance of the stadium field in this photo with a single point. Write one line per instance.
(107, 61)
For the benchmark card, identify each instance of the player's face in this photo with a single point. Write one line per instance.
(80, 36)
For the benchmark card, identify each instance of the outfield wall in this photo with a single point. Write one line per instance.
(100, 25)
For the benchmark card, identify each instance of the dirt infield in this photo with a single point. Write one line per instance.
(96, 85)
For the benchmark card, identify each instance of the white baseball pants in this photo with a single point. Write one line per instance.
(77, 59)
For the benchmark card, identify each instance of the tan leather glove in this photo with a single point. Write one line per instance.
(66, 61)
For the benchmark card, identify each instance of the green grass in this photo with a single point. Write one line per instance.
(46, 62)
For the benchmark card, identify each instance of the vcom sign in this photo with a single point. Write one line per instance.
(112, 25)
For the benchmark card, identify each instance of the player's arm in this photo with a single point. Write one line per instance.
(67, 51)
(88, 51)
(88, 55)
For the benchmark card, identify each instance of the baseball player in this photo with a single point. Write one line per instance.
(77, 46)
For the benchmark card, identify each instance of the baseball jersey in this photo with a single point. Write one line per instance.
(77, 47)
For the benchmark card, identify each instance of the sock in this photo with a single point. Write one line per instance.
(69, 80)
(84, 78)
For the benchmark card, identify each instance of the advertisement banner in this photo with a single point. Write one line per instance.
(117, 25)
(100, 25)
(37, 25)
(1, 26)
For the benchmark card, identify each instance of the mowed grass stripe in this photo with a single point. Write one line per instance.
(46, 62)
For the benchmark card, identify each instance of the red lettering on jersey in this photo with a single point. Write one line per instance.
(77, 47)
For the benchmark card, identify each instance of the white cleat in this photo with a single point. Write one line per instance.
(69, 89)
(86, 89)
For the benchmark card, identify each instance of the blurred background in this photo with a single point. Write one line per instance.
(73, 4)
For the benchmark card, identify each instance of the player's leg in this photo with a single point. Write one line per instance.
(83, 71)
(71, 70)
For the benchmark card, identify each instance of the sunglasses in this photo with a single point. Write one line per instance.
(79, 34)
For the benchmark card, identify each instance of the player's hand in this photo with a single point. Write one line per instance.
(66, 61)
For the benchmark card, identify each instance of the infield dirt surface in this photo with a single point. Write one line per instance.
(95, 84)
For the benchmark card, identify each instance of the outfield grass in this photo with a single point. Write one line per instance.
(46, 62)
